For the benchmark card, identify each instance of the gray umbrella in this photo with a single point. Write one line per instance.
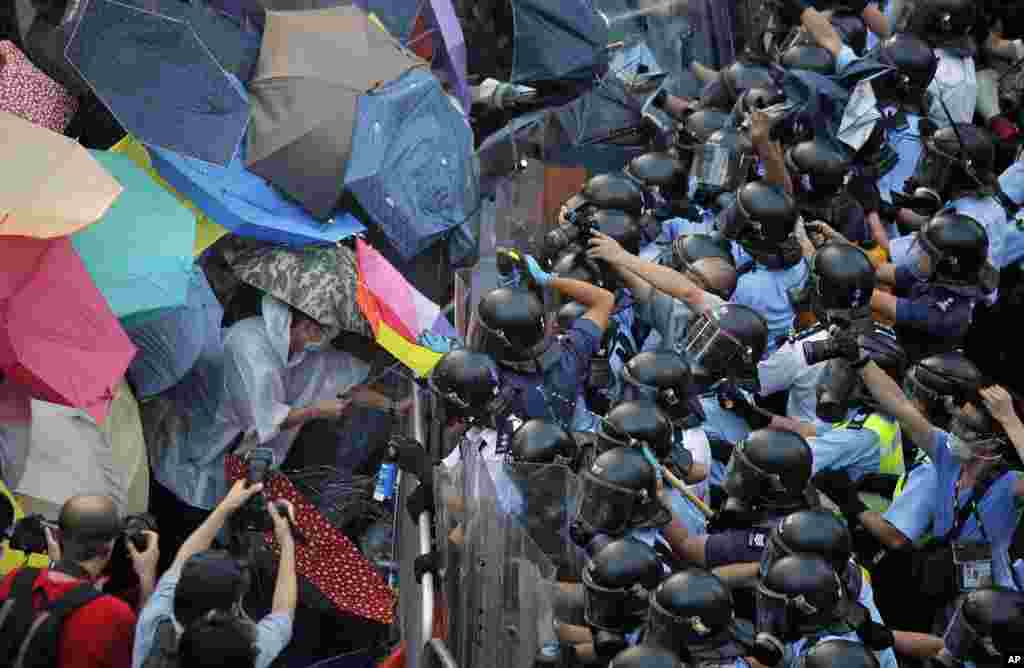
(313, 67)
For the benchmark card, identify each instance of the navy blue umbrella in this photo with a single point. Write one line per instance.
(557, 40)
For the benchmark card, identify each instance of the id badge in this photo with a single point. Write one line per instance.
(973, 565)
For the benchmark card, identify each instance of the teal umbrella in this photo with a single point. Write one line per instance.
(139, 254)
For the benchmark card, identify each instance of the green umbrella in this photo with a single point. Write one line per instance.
(140, 252)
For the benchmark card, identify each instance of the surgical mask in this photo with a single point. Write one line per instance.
(966, 443)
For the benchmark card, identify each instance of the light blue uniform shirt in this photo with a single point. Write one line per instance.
(767, 292)
(855, 451)
(1012, 183)
(725, 425)
(273, 632)
(905, 141)
(997, 510)
(911, 511)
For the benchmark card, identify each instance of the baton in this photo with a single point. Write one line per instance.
(690, 496)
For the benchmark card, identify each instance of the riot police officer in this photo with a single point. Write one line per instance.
(512, 328)
(819, 169)
(844, 279)
(767, 478)
(986, 630)
(761, 223)
(692, 614)
(605, 191)
(543, 442)
(663, 178)
(617, 580)
(936, 291)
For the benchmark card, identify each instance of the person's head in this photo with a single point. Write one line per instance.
(819, 167)
(940, 384)
(975, 436)
(913, 64)
(210, 581)
(89, 526)
(770, 469)
(467, 381)
(306, 333)
(511, 327)
(726, 342)
(707, 261)
(957, 160)
(843, 280)
(617, 581)
(764, 216)
(218, 640)
(951, 249)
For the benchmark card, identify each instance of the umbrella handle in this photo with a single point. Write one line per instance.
(690, 496)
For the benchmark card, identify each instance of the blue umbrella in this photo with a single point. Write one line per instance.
(412, 166)
(246, 204)
(557, 40)
(170, 345)
(140, 251)
(161, 80)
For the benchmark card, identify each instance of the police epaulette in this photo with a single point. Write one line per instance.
(804, 333)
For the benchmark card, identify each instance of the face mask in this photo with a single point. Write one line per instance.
(316, 346)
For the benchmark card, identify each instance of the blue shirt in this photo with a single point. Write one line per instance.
(668, 317)
(855, 451)
(931, 309)
(767, 291)
(553, 394)
(1012, 183)
(911, 511)
(997, 509)
(273, 632)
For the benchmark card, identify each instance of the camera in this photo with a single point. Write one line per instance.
(253, 516)
(135, 525)
(821, 351)
(29, 535)
(835, 390)
(578, 230)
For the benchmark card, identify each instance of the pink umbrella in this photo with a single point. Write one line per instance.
(59, 340)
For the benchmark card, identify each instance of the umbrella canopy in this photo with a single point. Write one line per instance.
(207, 231)
(27, 92)
(313, 67)
(397, 312)
(431, 29)
(557, 40)
(412, 166)
(139, 254)
(58, 337)
(45, 35)
(246, 204)
(170, 345)
(160, 79)
(321, 282)
(50, 186)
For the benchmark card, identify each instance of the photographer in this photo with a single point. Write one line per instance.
(98, 633)
(200, 597)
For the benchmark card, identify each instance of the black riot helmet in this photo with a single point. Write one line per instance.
(726, 342)
(637, 423)
(691, 256)
(614, 191)
(691, 610)
(798, 596)
(645, 656)
(843, 280)
(914, 65)
(660, 173)
(570, 313)
(688, 248)
(764, 215)
(761, 98)
(616, 585)
(817, 532)
(740, 77)
(665, 377)
(769, 469)
(468, 382)
(988, 627)
(573, 263)
(839, 653)
(809, 57)
(957, 248)
(618, 493)
(942, 383)
(955, 159)
(944, 23)
(542, 442)
(510, 326)
(820, 165)
(700, 125)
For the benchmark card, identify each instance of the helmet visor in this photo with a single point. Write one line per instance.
(613, 609)
(745, 481)
(715, 169)
(604, 507)
(781, 615)
(673, 633)
(968, 437)
(711, 350)
(774, 550)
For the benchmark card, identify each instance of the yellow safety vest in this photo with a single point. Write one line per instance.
(12, 559)
(890, 442)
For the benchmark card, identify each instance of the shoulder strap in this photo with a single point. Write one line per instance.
(17, 613)
(978, 492)
(53, 617)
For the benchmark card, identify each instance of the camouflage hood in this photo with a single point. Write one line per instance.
(320, 281)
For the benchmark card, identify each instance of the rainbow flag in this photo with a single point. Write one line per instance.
(397, 312)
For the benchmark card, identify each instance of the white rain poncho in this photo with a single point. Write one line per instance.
(248, 392)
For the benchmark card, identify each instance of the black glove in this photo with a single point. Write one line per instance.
(847, 347)
(790, 11)
(607, 644)
(865, 191)
(422, 498)
(731, 399)
(842, 491)
(409, 455)
(426, 563)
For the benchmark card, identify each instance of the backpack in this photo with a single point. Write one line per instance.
(30, 638)
(164, 653)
